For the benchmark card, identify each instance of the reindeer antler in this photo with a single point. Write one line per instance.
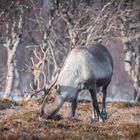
(38, 69)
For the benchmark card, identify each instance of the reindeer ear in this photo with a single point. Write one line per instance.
(57, 87)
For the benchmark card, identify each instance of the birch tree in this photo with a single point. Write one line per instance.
(13, 38)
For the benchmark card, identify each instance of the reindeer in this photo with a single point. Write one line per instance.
(89, 67)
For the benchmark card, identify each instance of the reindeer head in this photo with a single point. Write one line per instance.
(51, 103)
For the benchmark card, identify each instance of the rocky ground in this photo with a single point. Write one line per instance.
(20, 121)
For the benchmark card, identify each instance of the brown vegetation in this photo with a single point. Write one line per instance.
(21, 122)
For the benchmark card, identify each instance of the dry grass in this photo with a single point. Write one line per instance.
(21, 123)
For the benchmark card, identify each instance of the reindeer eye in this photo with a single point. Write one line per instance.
(50, 99)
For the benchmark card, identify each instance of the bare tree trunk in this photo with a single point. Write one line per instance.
(10, 68)
(17, 80)
(131, 59)
(9, 79)
(131, 69)
(12, 43)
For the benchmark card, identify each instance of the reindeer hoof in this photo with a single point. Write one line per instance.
(93, 120)
(104, 115)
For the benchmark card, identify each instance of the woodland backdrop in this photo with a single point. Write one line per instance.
(36, 36)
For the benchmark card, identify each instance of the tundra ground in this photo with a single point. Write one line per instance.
(20, 121)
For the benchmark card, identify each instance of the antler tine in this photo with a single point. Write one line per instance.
(44, 78)
(44, 52)
(31, 87)
(40, 61)
(33, 63)
(37, 56)
(34, 92)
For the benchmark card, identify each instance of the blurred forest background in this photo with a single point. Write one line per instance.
(36, 36)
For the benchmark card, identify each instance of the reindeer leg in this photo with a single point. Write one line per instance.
(104, 113)
(73, 107)
(94, 116)
(95, 106)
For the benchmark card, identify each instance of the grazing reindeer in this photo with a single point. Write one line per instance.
(88, 67)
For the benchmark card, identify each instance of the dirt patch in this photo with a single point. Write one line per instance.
(21, 122)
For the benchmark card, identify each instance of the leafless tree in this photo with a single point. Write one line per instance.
(13, 38)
